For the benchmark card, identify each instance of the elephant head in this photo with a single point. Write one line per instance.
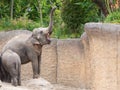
(42, 35)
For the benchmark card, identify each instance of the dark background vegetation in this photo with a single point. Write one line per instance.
(69, 18)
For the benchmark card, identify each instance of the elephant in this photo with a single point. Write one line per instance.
(12, 64)
(4, 75)
(28, 48)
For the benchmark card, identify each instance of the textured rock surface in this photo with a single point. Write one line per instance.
(49, 62)
(86, 53)
(30, 84)
(103, 41)
(71, 65)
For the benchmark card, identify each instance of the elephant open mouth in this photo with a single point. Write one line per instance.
(48, 38)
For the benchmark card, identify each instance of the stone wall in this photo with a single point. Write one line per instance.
(71, 64)
(90, 62)
(104, 55)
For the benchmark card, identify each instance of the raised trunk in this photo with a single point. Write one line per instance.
(51, 20)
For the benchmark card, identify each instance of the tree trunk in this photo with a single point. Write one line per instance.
(11, 11)
(107, 6)
(40, 11)
(102, 6)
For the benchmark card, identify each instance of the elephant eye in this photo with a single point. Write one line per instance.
(41, 32)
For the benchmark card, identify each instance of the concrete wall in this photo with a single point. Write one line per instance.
(90, 62)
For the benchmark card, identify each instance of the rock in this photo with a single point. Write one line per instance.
(31, 84)
(38, 84)
(103, 41)
(49, 62)
(71, 63)
(86, 53)
(8, 86)
(26, 71)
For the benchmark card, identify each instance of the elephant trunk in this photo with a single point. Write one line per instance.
(51, 20)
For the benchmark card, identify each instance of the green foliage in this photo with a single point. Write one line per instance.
(113, 17)
(20, 23)
(57, 24)
(75, 13)
(69, 18)
(4, 8)
(108, 5)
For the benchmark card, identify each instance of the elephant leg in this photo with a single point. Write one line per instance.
(19, 75)
(39, 63)
(35, 69)
(34, 59)
(13, 75)
(14, 81)
(19, 80)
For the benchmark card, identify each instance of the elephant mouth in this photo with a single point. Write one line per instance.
(48, 38)
(49, 41)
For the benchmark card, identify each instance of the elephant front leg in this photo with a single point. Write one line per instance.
(33, 57)
(35, 68)
(14, 81)
(39, 63)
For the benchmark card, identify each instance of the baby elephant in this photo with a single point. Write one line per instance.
(12, 64)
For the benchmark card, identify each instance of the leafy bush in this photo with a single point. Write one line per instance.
(75, 13)
(113, 17)
(20, 23)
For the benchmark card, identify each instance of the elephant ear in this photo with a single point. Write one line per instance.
(36, 45)
(35, 42)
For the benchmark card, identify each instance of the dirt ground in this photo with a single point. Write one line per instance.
(27, 74)
(34, 84)
(6, 86)
(40, 84)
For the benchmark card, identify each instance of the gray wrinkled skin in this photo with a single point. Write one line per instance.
(12, 64)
